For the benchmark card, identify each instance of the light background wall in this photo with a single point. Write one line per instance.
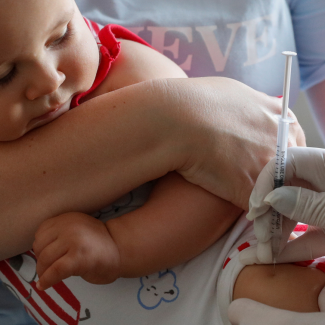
(305, 118)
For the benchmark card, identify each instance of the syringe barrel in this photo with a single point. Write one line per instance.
(281, 152)
(279, 177)
(281, 155)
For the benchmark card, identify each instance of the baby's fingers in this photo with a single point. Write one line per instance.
(42, 240)
(58, 271)
(48, 255)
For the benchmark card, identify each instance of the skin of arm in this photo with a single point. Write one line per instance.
(47, 173)
(288, 286)
(179, 221)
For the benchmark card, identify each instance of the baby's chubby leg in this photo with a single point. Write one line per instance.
(249, 312)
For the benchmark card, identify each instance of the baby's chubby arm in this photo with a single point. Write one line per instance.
(178, 222)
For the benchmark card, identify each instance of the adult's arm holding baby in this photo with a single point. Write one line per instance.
(129, 136)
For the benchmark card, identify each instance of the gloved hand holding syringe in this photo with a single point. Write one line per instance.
(301, 200)
(281, 155)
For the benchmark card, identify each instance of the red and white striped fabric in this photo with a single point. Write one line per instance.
(318, 263)
(236, 252)
(300, 229)
(57, 306)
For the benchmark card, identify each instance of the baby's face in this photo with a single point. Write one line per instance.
(47, 55)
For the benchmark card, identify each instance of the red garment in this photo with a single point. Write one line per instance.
(109, 49)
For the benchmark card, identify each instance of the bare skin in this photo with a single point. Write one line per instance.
(163, 233)
(289, 287)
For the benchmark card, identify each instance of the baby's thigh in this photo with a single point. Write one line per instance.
(286, 286)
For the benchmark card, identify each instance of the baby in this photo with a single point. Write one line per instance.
(50, 62)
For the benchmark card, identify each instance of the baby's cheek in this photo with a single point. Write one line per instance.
(88, 63)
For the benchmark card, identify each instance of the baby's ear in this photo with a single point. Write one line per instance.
(321, 300)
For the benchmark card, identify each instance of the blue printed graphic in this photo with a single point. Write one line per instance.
(156, 288)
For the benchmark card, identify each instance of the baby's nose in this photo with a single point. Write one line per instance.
(45, 81)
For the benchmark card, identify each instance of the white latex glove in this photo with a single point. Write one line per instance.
(305, 167)
(248, 312)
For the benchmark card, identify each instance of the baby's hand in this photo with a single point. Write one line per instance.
(75, 244)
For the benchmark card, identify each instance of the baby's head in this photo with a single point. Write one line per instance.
(47, 55)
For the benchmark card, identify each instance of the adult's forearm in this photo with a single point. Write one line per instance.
(216, 132)
(82, 161)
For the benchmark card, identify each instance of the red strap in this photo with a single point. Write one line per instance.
(110, 50)
(121, 32)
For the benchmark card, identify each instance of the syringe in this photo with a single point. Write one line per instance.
(281, 155)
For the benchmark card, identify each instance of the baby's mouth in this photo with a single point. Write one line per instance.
(48, 114)
(51, 115)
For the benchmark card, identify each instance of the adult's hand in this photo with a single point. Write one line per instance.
(248, 312)
(231, 133)
(305, 167)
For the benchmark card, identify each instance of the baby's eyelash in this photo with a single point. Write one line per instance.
(64, 38)
(8, 78)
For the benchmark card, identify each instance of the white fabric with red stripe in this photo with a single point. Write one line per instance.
(318, 263)
(231, 269)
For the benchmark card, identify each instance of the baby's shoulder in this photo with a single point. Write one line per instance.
(136, 63)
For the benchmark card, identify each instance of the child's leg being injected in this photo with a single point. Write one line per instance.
(178, 222)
